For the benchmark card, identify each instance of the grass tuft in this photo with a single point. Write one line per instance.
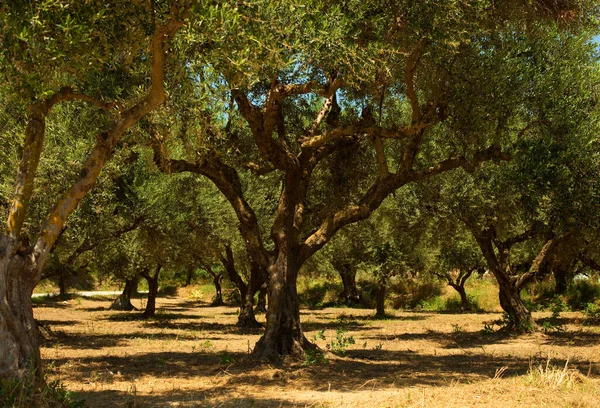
(548, 375)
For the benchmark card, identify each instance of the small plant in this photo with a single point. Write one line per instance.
(319, 336)
(226, 359)
(557, 306)
(378, 347)
(22, 394)
(488, 329)
(549, 326)
(341, 342)
(457, 328)
(592, 311)
(314, 357)
(553, 377)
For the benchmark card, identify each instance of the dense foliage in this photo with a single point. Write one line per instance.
(398, 140)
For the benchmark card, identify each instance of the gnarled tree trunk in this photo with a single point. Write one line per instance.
(217, 278)
(19, 337)
(283, 334)
(189, 276)
(152, 291)
(464, 300)
(246, 318)
(520, 317)
(261, 303)
(351, 295)
(123, 302)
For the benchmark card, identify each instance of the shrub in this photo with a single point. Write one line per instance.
(316, 295)
(341, 342)
(409, 293)
(592, 311)
(582, 292)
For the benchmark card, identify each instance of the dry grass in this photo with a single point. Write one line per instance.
(193, 355)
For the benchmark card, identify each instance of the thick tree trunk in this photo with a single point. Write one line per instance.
(283, 334)
(351, 295)
(520, 318)
(261, 304)
(123, 302)
(152, 292)
(380, 301)
(19, 337)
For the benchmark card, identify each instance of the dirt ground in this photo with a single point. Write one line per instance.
(192, 355)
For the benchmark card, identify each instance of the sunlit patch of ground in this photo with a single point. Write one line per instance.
(193, 355)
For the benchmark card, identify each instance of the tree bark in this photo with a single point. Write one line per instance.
(19, 337)
(261, 304)
(123, 302)
(351, 295)
(62, 285)
(464, 300)
(246, 318)
(380, 300)
(217, 278)
(152, 291)
(520, 318)
(283, 333)
(188, 278)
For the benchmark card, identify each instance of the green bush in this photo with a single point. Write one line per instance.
(582, 292)
(592, 311)
(410, 293)
(448, 304)
(317, 295)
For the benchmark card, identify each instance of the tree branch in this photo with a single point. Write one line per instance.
(226, 179)
(411, 69)
(106, 142)
(538, 262)
(34, 139)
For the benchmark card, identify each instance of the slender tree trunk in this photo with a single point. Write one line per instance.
(465, 305)
(246, 318)
(560, 271)
(62, 285)
(123, 302)
(19, 337)
(380, 300)
(283, 334)
(351, 295)
(261, 304)
(218, 301)
(152, 292)
(188, 278)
